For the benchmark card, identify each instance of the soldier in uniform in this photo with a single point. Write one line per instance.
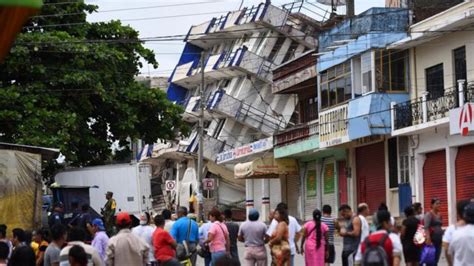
(108, 213)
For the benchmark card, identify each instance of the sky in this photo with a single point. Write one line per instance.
(173, 17)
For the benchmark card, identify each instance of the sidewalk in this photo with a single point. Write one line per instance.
(299, 260)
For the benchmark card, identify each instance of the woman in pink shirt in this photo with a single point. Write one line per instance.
(218, 237)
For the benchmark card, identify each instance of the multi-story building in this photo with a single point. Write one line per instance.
(241, 48)
(358, 79)
(437, 156)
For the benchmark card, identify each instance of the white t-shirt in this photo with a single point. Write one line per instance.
(145, 232)
(448, 234)
(396, 244)
(461, 247)
(293, 228)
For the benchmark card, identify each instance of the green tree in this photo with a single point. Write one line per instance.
(70, 84)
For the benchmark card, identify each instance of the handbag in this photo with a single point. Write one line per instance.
(184, 250)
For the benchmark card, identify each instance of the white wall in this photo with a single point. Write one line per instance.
(441, 51)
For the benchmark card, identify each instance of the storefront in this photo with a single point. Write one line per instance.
(434, 181)
(370, 171)
(465, 173)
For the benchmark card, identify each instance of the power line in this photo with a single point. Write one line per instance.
(125, 9)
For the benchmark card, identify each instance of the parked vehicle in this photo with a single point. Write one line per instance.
(130, 184)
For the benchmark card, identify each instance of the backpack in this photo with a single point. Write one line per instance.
(375, 254)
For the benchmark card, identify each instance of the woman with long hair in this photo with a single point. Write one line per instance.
(314, 241)
(279, 245)
(433, 227)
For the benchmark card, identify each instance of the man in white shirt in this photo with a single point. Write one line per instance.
(449, 233)
(294, 230)
(363, 211)
(76, 237)
(461, 247)
(145, 231)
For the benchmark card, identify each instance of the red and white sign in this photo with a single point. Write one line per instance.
(170, 185)
(209, 183)
(461, 120)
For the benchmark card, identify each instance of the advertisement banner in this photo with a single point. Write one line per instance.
(267, 167)
(246, 150)
(329, 179)
(311, 183)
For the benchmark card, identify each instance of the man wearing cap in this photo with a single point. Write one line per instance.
(57, 215)
(100, 241)
(461, 247)
(145, 232)
(125, 248)
(253, 234)
(108, 211)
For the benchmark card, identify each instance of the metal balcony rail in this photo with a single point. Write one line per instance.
(432, 107)
(263, 120)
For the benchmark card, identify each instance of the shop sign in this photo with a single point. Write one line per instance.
(209, 183)
(311, 183)
(266, 167)
(249, 149)
(329, 178)
(333, 127)
(461, 120)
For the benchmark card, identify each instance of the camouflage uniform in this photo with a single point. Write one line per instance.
(108, 213)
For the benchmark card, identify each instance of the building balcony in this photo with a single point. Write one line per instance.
(191, 109)
(212, 146)
(261, 120)
(237, 23)
(295, 75)
(225, 65)
(429, 111)
(297, 141)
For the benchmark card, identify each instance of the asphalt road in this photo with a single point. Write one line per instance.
(299, 260)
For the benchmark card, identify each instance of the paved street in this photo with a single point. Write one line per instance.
(299, 260)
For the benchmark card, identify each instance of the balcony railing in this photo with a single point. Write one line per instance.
(297, 133)
(212, 146)
(262, 120)
(426, 109)
(217, 65)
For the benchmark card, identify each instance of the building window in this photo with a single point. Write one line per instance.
(309, 109)
(391, 70)
(290, 53)
(276, 48)
(459, 64)
(403, 160)
(218, 128)
(435, 81)
(393, 163)
(336, 85)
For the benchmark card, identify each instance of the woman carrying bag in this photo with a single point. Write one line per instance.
(218, 237)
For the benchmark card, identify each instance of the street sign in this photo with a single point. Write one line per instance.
(208, 183)
(170, 185)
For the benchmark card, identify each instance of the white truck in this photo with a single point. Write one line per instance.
(130, 184)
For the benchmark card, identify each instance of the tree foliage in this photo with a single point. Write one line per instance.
(72, 87)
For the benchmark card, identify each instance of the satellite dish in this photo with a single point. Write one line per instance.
(332, 2)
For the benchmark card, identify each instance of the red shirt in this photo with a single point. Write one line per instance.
(162, 242)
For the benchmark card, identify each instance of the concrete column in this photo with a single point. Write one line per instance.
(352, 182)
(249, 203)
(265, 199)
(417, 186)
(451, 182)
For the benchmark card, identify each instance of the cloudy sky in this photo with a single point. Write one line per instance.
(172, 17)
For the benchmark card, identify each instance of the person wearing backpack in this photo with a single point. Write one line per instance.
(381, 248)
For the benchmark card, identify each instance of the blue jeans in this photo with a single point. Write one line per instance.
(215, 256)
(292, 260)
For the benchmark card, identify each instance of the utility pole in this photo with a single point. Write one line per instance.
(200, 164)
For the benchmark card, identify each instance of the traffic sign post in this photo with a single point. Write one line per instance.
(170, 185)
(209, 183)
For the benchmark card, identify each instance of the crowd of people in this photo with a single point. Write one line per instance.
(168, 239)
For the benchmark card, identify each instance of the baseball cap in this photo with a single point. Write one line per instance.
(98, 222)
(123, 218)
(469, 213)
